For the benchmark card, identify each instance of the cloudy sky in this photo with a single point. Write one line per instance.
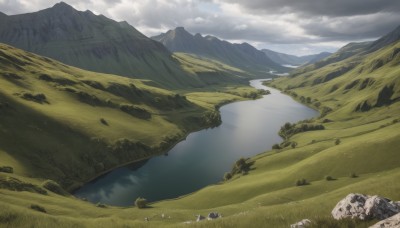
(291, 26)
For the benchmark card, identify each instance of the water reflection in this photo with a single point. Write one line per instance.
(248, 128)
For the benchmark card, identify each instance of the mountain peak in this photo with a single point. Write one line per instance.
(62, 5)
(180, 29)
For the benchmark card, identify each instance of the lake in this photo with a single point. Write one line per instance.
(248, 128)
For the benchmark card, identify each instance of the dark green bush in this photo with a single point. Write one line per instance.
(6, 169)
(38, 208)
(329, 178)
(101, 205)
(353, 175)
(276, 147)
(227, 176)
(141, 202)
(54, 187)
(288, 130)
(337, 141)
(38, 97)
(135, 111)
(293, 144)
(302, 182)
(103, 121)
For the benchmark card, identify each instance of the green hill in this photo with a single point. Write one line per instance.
(69, 125)
(95, 43)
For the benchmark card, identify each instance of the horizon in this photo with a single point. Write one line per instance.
(297, 29)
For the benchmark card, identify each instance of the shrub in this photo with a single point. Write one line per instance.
(6, 169)
(337, 141)
(227, 176)
(38, 208)
(276, 147)
(293, 145)
(353, 175)
(135, 111)
(329, 178)
(101, 205)
(141, 202)
(103, 121)
(39, 97)
(301, 182)
(54, 187)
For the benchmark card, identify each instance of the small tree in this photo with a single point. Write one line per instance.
(301, 182)
(276, 147)
(227, 176)
(141, 203)
(337, 141)
(329, 178)
(294, 144)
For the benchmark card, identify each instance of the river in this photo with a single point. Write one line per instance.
(248, 128)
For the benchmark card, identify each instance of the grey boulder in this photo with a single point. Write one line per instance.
(365, 207)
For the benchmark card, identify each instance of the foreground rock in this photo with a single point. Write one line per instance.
(365, 207)
(213, 215)
(393, 221)
(302, 224)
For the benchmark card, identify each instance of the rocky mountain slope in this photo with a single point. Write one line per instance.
(93, 42)
(243, 56)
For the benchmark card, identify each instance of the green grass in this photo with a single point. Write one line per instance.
(268, 195)
(70, 137)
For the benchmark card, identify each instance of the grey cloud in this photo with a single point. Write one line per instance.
(330, 8)
(353, 28)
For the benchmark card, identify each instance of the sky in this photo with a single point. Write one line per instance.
(298, 27)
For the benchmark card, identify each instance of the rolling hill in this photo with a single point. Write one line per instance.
(95, 43)
(69, 125)
(242, 56)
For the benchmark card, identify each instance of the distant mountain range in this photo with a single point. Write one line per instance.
(93, 42)
(285, 59)
(243, 56)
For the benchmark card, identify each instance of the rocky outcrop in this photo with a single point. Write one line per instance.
(365, 207)
(391, 222)
(213, 215)
(303, 223)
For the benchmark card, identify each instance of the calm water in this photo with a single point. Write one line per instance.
(248, 128)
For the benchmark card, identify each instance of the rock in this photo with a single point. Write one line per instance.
(391, 222)
(303, 223)
(213, 215)
(199, 218)
(365, 207)
(380, 208)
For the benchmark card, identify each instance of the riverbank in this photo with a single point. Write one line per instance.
(205, 155)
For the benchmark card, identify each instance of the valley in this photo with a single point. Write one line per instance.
(95, 115)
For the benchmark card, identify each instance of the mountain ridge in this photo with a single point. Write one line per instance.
(93, 42)
(286, 59)
(243, 56)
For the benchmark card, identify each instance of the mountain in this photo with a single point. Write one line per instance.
(93, 42)
(243, 56)
(285, 59)
(318, 57)
(390, 38)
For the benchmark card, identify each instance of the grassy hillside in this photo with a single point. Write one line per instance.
(358, 100)
(69, 125)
